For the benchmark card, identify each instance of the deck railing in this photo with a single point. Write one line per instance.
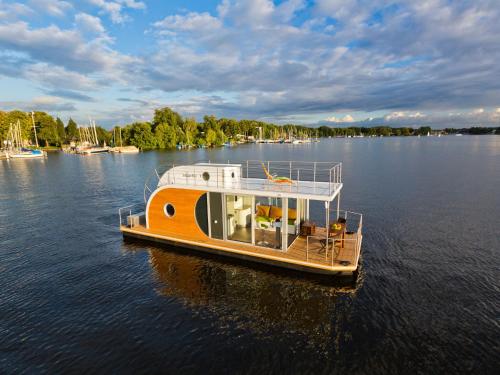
(354, 226)
(128, 214)
(299, 172)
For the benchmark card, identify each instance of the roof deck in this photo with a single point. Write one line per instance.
(294, 179)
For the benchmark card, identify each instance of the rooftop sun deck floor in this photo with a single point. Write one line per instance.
(258, 186)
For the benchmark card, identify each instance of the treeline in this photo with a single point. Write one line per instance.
(168, 129)
(50, 131)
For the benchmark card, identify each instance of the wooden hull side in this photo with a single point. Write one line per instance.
(212, 249)
(183, 222)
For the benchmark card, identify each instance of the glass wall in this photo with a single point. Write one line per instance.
(293, 228)
(268, 222)
(239, 218)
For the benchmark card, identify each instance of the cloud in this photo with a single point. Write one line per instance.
(40, 103)
(115, 8)
(56, 8)
(89, 23)
(439, 119)
(372, 57)
(10, 11)
(419, 62)
(136, 101)
(58, 77)
(404, 115)
(65, 48)
(346, 118)
(69, 94)
(199, 22)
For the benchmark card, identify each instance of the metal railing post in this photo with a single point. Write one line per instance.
(330, 182)
(333, 250)
(307, 249)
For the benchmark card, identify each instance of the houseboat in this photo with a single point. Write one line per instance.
(281, 213)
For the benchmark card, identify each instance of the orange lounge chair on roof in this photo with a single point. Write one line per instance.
(276, 179)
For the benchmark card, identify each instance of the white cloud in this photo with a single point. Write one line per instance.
(65, 48)
(198, 22)
(133, 4)
(10, 11)
(89, 23)
(56, 8)
(115, 8)
(58, 77)
(346, 118)
(404, 115)
(40, 103)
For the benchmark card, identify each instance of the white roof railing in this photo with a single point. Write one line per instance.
(315, 180)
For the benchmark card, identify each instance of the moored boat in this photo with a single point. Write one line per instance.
(278, 213)
(26, 153)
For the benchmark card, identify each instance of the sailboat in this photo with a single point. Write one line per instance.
(16, 149)
(89, 143)
(123, 149)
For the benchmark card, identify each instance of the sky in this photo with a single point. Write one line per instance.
(311, 62)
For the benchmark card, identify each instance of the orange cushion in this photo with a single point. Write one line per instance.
(263, 210)
(292, 214)
(275, 212)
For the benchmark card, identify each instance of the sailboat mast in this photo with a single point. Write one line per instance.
(19, 135)
(34, 127)
(95, 133)
(121, 142)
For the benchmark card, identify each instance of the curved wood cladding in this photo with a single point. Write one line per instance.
(183, 223)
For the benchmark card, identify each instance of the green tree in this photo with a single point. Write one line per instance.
(60, 130)
(71, 131)
(166, 136)
(24, 119)
(423, 130)
(103, 135)
(167, 116)
(220, 137)
(190, 128)
(140, 135)
(4, 129)
(210, 137)
(47, 133)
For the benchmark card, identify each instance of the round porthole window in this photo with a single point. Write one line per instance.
(169, 210)
(206, 176)
(232, 174)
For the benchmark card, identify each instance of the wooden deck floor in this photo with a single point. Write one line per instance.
(343, 258)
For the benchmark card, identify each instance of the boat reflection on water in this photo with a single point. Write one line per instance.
(254, 297)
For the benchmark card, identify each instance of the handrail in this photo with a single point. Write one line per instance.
(326, 174)
(355, 240)
(351, 217)
(130, 209)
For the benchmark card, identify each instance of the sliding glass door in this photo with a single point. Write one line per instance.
(239, 218)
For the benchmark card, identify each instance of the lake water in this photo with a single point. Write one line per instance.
(75, 297)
